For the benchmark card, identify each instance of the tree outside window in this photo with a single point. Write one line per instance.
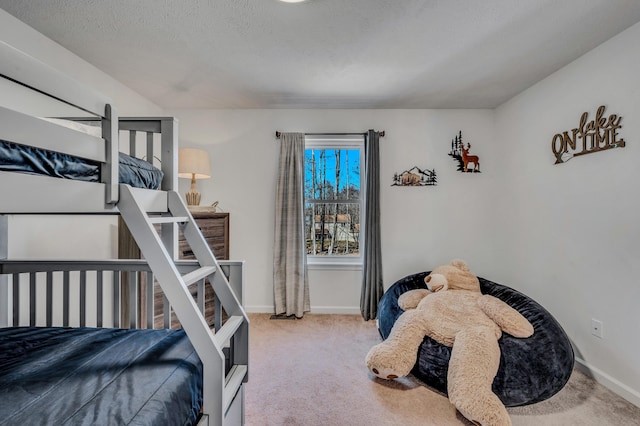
(332, 198)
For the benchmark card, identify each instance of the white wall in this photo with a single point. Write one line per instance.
(569, 233)
(422, 226)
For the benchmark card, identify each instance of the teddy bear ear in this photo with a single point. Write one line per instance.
(460, 264)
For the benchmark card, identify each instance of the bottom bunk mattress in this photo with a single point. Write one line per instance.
(92, 376)
(26, 159)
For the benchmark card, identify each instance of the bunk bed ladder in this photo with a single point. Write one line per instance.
(223, 393)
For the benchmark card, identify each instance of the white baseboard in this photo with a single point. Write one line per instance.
(344, 310)
(631, 395)
(257, 309)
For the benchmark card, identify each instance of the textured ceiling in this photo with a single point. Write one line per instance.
(328, 53)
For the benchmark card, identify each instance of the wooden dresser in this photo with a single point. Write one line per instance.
(215, 229)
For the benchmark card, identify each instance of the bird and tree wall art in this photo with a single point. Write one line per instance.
(467, 163)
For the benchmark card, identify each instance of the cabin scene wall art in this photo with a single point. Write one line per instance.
(415, 176)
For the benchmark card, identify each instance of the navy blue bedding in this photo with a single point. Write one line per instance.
(89, 376)
(20, 158)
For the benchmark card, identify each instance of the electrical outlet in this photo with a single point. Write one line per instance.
(596, 328)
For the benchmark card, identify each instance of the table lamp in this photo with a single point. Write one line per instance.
(194, 164)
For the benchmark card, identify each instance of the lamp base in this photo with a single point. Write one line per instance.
(193, 198)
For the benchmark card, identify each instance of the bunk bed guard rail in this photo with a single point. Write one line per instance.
(105, 293)
(28, 71)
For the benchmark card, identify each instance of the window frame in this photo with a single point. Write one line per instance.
(339, 142)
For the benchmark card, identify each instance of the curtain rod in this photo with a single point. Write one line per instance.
(278, 133)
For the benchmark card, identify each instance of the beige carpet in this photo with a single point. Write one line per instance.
(311, 372)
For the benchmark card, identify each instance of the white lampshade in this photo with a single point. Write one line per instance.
(193, 163)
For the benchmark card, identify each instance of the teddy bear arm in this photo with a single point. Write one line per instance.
(508, 319)
(411, 298)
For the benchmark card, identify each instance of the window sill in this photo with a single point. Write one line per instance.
(334, 265)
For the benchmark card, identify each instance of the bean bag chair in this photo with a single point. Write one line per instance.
(531, 370)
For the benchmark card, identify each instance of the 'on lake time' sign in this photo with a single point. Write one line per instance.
(596, 135)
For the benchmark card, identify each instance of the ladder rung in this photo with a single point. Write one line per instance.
(227, 330)
(234, 381)
(168, 219)
(198, 274)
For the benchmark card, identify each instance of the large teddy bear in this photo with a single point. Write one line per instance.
(454, 312)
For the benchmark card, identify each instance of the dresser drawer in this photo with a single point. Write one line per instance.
(215, 229)
(212, 228)
(218, 246)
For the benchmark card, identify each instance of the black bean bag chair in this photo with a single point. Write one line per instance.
(531, 370)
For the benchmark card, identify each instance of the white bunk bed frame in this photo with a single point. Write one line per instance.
(224, 354)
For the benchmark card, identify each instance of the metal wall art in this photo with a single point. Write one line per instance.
(596, 135)
(466, 161)
(415, 177)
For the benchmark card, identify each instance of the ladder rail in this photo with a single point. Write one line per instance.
(220, 284)
(203, 253)
(218, 389)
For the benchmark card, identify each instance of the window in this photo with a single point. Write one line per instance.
(333, 201)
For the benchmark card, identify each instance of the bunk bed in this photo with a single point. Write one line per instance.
(77, 337)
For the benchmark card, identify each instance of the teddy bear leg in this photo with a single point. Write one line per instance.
(396, 356)
(474, 362)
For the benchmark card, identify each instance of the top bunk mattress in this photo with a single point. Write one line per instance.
(89, 376)
(26, 159)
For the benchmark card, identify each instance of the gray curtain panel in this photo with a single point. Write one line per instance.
(290, 279)
(372, 288)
